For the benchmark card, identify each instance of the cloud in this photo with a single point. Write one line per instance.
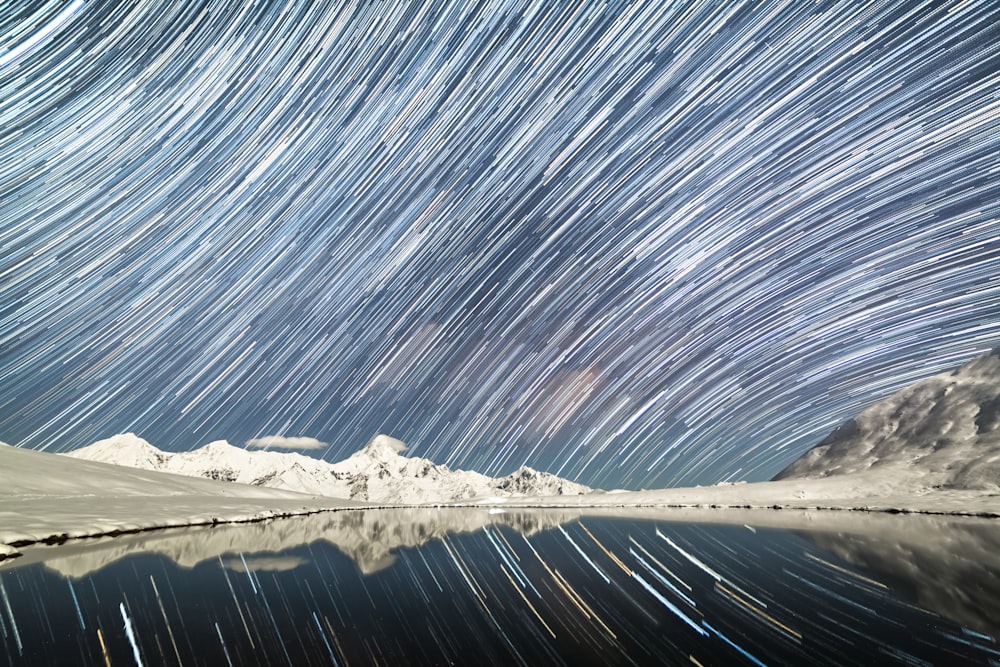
(281, 442)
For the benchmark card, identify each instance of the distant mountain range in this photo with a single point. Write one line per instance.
(377, 473)
(940, 433)
(945, 429)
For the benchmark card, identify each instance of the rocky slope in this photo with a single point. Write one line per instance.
(944, 430)
(377, 473)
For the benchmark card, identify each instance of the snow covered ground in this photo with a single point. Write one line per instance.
(46, 497)
(870, 490)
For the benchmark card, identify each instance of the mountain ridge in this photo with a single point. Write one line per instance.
(944, 429)
(376, 473)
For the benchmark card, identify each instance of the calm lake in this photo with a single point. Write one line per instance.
(474, 587)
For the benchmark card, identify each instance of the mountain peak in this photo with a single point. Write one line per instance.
(384, 448)
(219, 446)
(126, 440)
(127, 448)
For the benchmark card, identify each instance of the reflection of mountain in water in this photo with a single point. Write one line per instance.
(263, 563)
(368, 537)
(950, 565)
(952, 570)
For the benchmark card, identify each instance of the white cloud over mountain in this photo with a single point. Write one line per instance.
(284, 442)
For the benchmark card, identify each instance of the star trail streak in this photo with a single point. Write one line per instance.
(637, 244)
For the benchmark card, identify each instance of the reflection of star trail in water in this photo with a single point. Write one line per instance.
(634, 244)
(595, 591)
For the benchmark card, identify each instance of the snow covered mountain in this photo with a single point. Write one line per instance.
(376, 473)
(217, 460)
(945, 430)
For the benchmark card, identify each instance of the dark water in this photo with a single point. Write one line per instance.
(471, 588)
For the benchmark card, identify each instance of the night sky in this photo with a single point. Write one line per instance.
(640, 244)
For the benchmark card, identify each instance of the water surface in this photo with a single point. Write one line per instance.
(532, 588)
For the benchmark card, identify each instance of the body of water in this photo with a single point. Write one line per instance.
(470, 587)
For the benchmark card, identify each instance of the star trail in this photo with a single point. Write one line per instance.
(636, 244)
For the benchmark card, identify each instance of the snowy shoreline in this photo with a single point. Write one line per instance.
(74, 528)
(815, 495)
(49, 499)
